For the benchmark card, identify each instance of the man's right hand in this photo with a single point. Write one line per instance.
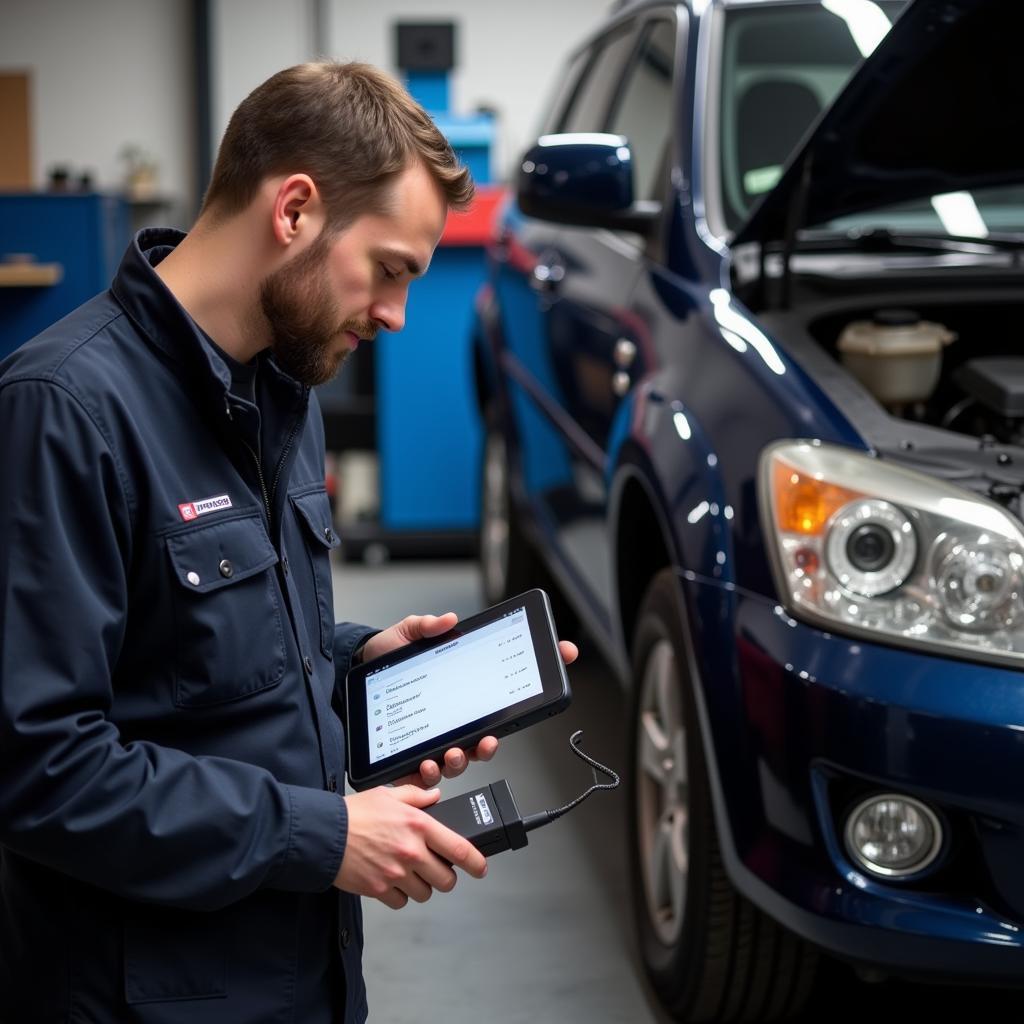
(394, 850)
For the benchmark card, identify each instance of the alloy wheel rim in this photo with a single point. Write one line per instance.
(663, 806)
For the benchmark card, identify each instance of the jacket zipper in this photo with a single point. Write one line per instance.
(268, 498)
(259, 469)
(284, 455)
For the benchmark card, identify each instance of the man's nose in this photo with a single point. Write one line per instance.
(390, 315)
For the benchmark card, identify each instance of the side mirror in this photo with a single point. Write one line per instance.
(584, 179)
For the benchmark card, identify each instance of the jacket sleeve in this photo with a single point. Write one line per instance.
(145, 821)
(348, 638)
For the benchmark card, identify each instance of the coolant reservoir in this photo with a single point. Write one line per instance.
(896, 355)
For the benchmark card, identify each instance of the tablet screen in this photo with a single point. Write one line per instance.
(473, 676)
(492, 674)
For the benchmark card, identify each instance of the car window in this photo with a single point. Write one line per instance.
(642, 110)
(781, 67)
(561, 93)
(589, 107)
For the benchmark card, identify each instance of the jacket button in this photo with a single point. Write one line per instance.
(329, 535)
(227, 570)
(307, 664)
(332, 783)
(193, 578)
(345, 937)
(284, 565)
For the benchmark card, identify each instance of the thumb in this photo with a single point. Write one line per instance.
(433, 625)
(417, 797)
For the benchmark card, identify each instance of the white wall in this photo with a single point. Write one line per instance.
(249, 41)
(105, 73)
(508, 54)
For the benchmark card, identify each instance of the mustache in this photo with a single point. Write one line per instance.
(364, 330)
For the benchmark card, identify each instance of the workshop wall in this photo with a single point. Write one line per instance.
(107, 74)
(104, 75)
(508, 56)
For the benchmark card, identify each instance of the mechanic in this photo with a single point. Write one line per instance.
(174, 842)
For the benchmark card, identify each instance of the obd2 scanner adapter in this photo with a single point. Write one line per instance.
(489, 818)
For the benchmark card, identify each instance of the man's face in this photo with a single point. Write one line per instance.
(343, 289)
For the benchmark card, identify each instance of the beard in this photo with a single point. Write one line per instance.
(303, 319)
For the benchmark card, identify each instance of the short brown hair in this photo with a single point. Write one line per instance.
(351, 127)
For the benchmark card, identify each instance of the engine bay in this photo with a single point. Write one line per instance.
(962, 418)
(958, 367)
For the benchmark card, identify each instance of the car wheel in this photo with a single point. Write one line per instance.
(507, 562)
(710, 954)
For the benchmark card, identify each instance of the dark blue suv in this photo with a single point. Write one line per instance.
(749, 359)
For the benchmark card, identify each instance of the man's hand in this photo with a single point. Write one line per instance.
(416, 627)
(393, 849)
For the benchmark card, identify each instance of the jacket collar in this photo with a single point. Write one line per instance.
(167, 325)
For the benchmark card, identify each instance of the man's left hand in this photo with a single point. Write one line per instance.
(416, 627)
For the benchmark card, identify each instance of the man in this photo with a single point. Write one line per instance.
(173, 842)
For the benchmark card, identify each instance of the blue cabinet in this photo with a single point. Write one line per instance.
(82, 236)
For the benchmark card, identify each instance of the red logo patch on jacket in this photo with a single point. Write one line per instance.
(193, 509)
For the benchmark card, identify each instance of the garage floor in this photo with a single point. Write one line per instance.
(546, 936)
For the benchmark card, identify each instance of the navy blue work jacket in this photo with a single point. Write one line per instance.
(171, 764)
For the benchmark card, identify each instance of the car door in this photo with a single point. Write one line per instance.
(536, 262)
(597, 346)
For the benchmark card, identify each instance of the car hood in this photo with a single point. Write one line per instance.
(937, 107)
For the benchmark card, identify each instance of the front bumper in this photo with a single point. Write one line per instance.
(801, 724)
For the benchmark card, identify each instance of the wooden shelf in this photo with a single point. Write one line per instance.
(30, 275)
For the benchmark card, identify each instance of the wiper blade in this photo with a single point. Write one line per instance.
(888, 240)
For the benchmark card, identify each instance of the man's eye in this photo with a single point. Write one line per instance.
(388, 274)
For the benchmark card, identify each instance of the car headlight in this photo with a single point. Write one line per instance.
(868, 547)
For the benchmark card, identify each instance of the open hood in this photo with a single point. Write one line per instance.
(937, 107)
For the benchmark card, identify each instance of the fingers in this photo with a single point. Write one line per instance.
(431, 874)
(415, 888)
(569, 651)
(457, 850)
(484, 750)
(430, 773)
(396, 853)
(419, 889)
(454, 763)
(414, 795)
(416, 779)
(394, 899)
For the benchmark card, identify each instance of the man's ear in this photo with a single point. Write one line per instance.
(297, 211)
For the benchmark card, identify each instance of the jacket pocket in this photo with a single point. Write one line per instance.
(314, 513)
(174, 954)
(229, 638)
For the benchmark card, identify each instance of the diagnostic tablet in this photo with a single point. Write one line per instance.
(493, 673)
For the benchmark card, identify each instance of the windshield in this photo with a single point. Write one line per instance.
(782, 65)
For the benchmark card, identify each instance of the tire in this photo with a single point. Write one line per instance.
(709, 953)
(507, 562)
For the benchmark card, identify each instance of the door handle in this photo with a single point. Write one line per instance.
(624, 353)
(547, 277)
(620, 383)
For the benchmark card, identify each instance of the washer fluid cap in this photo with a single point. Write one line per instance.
(896, 317)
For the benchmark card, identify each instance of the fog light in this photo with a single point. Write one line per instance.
(893, 836)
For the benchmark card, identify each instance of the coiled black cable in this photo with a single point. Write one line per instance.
(533, 821)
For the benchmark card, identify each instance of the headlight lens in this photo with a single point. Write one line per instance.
(871, 547)
(867, 545)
